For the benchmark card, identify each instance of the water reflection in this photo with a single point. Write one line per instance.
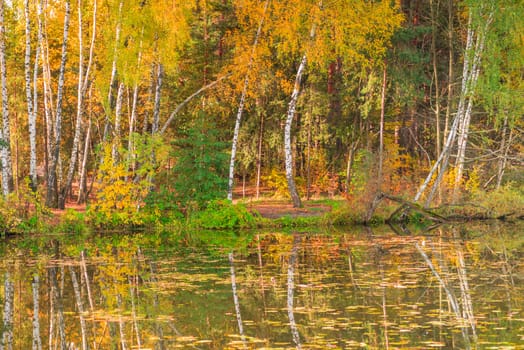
(455, 288)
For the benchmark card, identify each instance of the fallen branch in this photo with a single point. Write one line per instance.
(405, 205)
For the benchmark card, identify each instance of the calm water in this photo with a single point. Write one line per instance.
(456, 287)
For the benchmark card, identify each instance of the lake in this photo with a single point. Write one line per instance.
(454, 287)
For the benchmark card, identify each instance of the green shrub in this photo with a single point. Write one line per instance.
(222, 214)
(508, 199)
(200, 172)
(72, 222)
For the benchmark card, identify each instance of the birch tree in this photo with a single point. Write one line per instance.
(83, 81)
(241, 106)
(31, 95)
(338, 30)
(52, 184)
(5, 133)
(470, 71)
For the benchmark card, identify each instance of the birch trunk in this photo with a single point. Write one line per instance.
(241, 107)
(504, 150)
(113, 76)
(158, 95)
(185, 102)
(83, 172)
(443, 160)
(31, 97)
(32, 123)
(52, 185)
(465, 121)
(435, 72)
(37, 340)
(132, 119)
(259, 154)
(5, 135)
(381, 128)
(47, 94)
(297, 203)
(81, 90)
(118, 119)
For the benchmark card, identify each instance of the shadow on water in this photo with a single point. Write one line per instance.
(451, 287)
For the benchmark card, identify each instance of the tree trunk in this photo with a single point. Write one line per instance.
(297, 203)
(132, 119)
(158, 95)
(118, 119)
(504, 150)
(52, 185)
(381, 128)
(81, 90)
(474, 71)
(82, 185)
(5, 134)
(259, 154)
(461, 120)
(109, 107)
(241, 107)
(31, 97)
(435, 73)
(186, 101)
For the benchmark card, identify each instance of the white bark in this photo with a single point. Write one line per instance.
(443, 160)
(32, 123)
(81, 90)
(381, 127)
(83, 172)
(504, 150)
(187, 100)
(46, 80)
(118, 120)
(297, 203)
(241, 107)
(132, 119)
(470, 90)
(5, 134)
(259, 155)
(52, 186)
(158, 95)
(113, 73)
(31, 97)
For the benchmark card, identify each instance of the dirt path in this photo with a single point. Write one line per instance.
(278, 209)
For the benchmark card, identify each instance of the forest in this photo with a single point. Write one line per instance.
(143, 110)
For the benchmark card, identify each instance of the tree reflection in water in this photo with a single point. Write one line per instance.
(451, 288)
